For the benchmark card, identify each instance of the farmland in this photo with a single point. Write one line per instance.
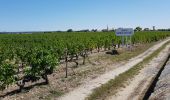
(28, 58)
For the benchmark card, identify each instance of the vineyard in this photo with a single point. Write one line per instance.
(30, 57)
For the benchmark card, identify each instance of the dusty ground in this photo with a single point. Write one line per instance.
(86, 89)
(98, 64)
(139, 83)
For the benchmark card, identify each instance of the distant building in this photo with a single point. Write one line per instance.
(107, 28)
(154, 28)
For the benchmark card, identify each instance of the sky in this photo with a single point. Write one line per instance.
(54, 15)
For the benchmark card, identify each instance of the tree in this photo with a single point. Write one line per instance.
(104, 30)
(112, 30)
(69, 30)
(86, 30)
(94, 30)
(146, 29)
(138, 29)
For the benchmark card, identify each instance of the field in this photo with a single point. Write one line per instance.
(28, 58)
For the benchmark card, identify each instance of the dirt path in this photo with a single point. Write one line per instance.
(84, 90)
(137, 86)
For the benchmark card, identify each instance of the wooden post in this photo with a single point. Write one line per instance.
(66, 60)
(123, 41)
(84, 57)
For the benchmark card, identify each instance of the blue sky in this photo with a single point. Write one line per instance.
(52, 15)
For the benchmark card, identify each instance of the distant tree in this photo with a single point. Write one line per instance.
(146, 29)
(58, 31)
(104, 30)
(87, 30)
(164, 29)
(138, 29)
(112, 30)
(94, 30)
(70, 30)
(161, 29)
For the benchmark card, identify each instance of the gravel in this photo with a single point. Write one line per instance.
(162, 89)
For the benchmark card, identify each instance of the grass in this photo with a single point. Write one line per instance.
(111, 87)
(126, 55)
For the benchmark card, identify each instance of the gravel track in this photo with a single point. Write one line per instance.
(162, 89)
